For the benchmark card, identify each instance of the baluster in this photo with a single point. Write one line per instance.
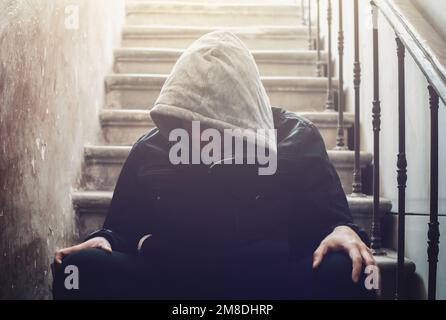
(376, 229)
(434, 229)
(330, 103)
(318, 40)
(310, 31)
(357, 184)
(340, 144)
(402, 167)
(302, 5)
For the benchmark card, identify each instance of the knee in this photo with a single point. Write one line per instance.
(335, 266)
(334, 278)
(85, 260)
(86, 263)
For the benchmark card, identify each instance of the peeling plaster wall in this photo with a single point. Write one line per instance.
(51, 88)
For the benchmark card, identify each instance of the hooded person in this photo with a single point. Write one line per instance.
(222, 227)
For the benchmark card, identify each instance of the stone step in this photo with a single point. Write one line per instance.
(270, 62)
(230, 1)
(124, 127)
(140, 91)
(92, 206)
(256, 38)
(212, 14)
(103, 165)
(388, 265)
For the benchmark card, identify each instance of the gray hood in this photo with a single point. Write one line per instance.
(216, 81)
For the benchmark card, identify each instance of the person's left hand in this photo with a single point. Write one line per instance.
(343, 238)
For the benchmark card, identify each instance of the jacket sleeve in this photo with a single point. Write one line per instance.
(126, 221)
(321, 202)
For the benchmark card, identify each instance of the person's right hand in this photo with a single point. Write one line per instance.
(98, 242)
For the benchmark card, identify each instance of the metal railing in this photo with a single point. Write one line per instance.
(404, 39)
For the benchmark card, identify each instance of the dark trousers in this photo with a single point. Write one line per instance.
(116, 275)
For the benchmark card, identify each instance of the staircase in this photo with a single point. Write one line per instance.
(155, 36)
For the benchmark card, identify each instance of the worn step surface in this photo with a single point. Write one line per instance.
(140, 91)
(103, 165)
(388, 265)
(270, 62)
(92, 207)
(256, 38)
(230, 1)
(210, 14)
(123, 127)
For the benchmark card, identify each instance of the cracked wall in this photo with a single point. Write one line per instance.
(53, 59)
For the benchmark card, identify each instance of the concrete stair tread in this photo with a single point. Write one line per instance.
(172, 54)
(122, 117)
(223, 8)
(363, 204)
(197, 31)
(142, 81)
(139, 117)
(149, 60)
(388, 265)
(389, 261)
(118, 154)
(260, 37)
(155, 13)
(137, 90)
(98, 201)
(124, 126)
(103, 164)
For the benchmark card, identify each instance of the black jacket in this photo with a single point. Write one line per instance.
(229, 205)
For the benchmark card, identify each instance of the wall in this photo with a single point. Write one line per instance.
(434, 10)
(417, 129)
(51, 87)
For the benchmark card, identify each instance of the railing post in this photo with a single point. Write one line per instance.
(434, 229)
(310, 31)
(357, 184)
(318, 40)
(376, 228)
(330, 103)
(402, 167)
(340, 144)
